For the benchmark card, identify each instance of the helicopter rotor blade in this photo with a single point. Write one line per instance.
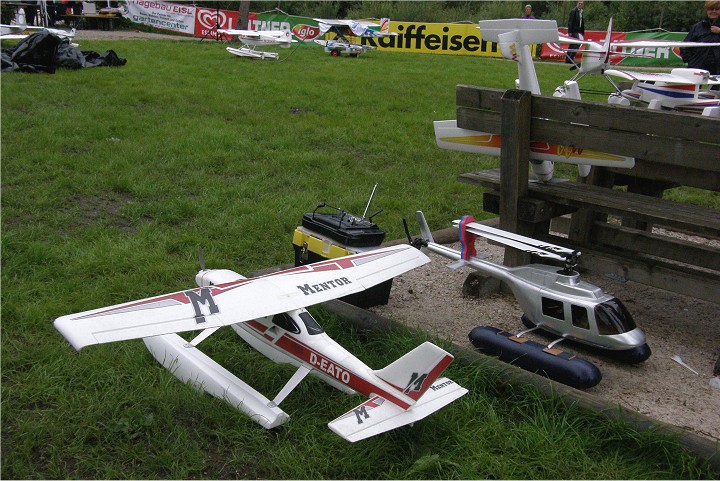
(526, 244)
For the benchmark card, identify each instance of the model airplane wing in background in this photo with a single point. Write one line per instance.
(18, 32)
(345, 29)
(354, 28)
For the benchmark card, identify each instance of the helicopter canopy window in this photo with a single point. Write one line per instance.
(613, 318)
(284, 321)
(553, 308)
(311, 324)
(580, 316)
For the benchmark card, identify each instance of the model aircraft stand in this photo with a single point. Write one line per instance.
(670, 148)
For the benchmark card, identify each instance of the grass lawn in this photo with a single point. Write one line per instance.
(111, 177)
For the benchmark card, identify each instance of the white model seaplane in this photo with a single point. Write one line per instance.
(350, 28)
(514, 37)
(553, 299)
(258, 38)
(680, 89)
(269, 313)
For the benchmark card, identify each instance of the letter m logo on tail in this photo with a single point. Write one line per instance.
(415, 372)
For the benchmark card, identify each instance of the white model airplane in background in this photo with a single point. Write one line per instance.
(680, 89)
(268, 312)
(350, 28)
(596, 56)
(258, 38)
(514, 36)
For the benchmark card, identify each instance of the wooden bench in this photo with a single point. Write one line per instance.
(611, 225)
(91, 21)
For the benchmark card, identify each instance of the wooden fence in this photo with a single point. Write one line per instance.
(618, 218)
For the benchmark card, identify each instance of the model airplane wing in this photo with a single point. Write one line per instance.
(660, 44)
(647, 76)
(239, 301)
(634, 44)
(253, 33)
(352, 27)
(13, 36)
(377, 415)
(566, 39)
(692, 76)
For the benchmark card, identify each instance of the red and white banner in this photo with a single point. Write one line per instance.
(180, 18)
(165, 15)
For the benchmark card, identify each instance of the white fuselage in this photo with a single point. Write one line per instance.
(328, 360)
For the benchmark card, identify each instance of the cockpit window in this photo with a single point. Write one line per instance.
(311, 324)
(553, 308)
(613, 318)
(284, 321)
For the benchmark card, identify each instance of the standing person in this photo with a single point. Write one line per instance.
(576, 29)
(527, 13)
(706, 30)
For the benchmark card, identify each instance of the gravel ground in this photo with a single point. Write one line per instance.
(431, 298)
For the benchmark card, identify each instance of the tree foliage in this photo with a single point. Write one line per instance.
(628, 16)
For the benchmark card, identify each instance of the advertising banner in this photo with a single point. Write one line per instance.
(656, 57)
(435, 38)
(206, 19)
(167, 16)
(304, 28)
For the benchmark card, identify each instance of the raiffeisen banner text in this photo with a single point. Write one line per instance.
(437, 38)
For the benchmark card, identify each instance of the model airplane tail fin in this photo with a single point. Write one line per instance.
(424, 228)
(608, 42)
(416, 371)
(385, 25)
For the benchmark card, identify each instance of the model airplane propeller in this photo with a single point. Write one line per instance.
(554, 300)
(258, 38)
(269, 313)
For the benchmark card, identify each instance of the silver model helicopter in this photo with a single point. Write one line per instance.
(553, 299)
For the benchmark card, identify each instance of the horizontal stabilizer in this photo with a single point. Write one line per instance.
(378, 415)
(528, 31)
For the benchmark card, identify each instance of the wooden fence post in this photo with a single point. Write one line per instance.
(514, 165)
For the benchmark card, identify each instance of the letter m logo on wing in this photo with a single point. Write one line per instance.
(201, 299)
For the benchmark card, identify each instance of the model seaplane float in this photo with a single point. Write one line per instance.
(555, 302)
